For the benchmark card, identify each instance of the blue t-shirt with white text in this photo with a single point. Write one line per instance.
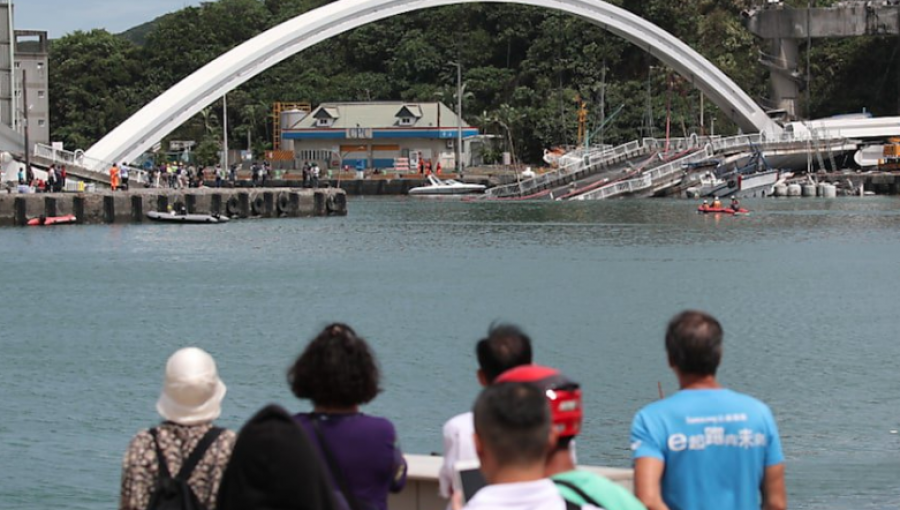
(715, 444)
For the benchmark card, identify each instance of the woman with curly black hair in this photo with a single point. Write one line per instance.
(338, 372)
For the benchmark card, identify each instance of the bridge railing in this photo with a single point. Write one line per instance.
(573, 162)
(70, 159)
(711, 145)
(646, 180)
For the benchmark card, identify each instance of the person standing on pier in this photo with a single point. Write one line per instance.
(124, 173)
(705, 447)
(51, 179)
(114, 177)
(314, 174)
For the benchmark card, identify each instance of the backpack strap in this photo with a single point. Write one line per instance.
(336, 473)
(160, 458)
(193, 459)
(577, 490)
(199, 451)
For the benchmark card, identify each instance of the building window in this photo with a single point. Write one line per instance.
(41, 94)
(40, 65)
(311, 155)
(406, 121)
(42, 123)
(18, 65)
(324, 122)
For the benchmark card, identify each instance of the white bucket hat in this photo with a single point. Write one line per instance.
(192, 391)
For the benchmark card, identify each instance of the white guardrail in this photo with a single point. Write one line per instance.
(712, 146)
(575, 161)
(69, 158)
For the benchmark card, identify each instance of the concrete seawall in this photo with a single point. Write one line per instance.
(132, 206)
(421, 491)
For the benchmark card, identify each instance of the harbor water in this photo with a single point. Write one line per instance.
(806, 289)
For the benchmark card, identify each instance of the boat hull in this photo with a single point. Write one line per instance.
(53, 220)
(186, 218)
(432, 190)
(721, 210)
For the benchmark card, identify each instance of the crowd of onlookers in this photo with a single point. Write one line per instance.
(703, 448)
(55, 181)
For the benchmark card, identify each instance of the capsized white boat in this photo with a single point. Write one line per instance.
(173, 217)
(448, 187)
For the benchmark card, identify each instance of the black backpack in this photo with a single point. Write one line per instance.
(175, 493)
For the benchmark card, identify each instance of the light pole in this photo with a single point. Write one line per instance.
(225, 132)
(459, 166)
(25, 125)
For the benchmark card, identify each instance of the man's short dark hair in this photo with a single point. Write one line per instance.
(337, 369)
(694, 343)
(506, 346)
(513, 421)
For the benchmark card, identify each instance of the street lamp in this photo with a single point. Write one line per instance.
(458, 117)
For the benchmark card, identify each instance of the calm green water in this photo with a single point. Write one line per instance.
(806, 290)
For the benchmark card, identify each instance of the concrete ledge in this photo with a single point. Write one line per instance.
(132, 206)
(421, 492)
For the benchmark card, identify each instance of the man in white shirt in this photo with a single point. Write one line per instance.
(505, 347)
(513, 436)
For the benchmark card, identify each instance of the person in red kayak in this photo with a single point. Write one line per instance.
(717, 204)
(705, 205)
(735, 205)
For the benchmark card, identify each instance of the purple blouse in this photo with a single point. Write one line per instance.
(366, 451)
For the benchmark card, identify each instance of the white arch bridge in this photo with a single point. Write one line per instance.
(168, 111)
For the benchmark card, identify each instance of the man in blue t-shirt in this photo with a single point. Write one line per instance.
(706, 447)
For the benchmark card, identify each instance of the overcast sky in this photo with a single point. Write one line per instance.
(59, 17)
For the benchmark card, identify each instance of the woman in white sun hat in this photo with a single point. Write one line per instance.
(191, 399)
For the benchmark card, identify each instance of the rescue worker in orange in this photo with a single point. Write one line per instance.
(114, 177)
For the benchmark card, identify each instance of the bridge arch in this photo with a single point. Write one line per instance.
(184, 100)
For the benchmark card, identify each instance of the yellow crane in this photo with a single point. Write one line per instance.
(582, 119)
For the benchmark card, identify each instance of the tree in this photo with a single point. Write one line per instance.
(207, 152)
(518, 59)
(95, 84)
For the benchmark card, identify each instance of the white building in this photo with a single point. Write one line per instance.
(375, 135)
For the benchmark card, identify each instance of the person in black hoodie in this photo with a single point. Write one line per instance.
(274, 467)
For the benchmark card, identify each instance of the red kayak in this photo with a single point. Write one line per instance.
(52, 220)
(721, 210)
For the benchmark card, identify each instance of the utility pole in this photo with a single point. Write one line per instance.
(649, 130)
(459, 93)
(12, 72)
(225, 132)
(602, 100)
(808, 51)
(25, 125)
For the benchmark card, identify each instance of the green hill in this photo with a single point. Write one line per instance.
(138, 35)
(524, 68)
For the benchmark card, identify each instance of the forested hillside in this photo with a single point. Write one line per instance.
(523, 67)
